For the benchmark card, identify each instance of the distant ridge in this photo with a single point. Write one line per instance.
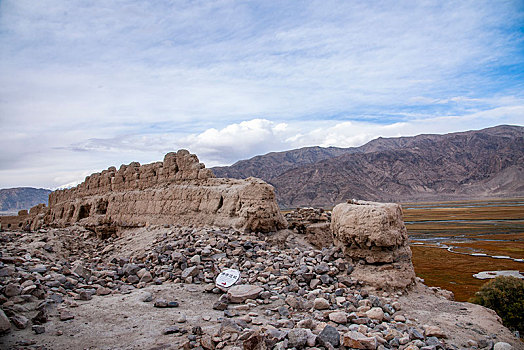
(14, 199)
(472, 164)
(273, 164)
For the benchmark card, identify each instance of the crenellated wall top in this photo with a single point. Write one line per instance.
(176, 166)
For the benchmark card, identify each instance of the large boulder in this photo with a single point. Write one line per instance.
(373, 236)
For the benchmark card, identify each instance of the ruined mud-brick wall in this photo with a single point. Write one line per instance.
(179, 191)
(24, 220)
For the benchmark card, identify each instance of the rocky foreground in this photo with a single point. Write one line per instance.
(153, 288)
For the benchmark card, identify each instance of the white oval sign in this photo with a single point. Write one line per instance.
(227, 278)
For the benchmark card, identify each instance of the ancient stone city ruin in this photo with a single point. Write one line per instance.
(179, 190)
(318, 280)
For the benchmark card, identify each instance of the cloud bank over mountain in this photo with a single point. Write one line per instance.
(87, 86)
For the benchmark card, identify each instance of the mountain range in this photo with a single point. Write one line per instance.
(465, 165)
(14, 199)
(487, 163)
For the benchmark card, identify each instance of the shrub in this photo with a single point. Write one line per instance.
(505, 295)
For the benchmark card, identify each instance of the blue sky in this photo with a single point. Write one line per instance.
(87, 85)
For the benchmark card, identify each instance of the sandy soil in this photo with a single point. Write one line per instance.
(126, 322)
(460, 321)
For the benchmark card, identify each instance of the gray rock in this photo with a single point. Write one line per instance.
(130, 269)
(418, 343)
(38, 329)
(12, 289)
(5, 325)
(146, 297)
(329, 335)
(274, 336)
(41, 316)
(190, 272)
(7, 271)
(21, 322)
(322, 268)
(308, 276)
(307, 323)
(502, 346)
(338, 317)
(146, 277)
(133, 279)
(161, 303)
(103, 291)
(83, 295)
(242, 292)
(281, 345)
(376, 313)
(394, 343)
(80, 270)
(220, 305)
(283, 311)
(326, 279)
(39, 268)
(255, 342)
(293, 302)
(483, 343)
(388, 308)
(432, 341)
(66, 315)
(207, 343)
(297, 337)
(415, 334)
(171, 330)
(195, 259)
(229, 326)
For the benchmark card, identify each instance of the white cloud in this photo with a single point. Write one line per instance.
(237, 141)
(233, 142)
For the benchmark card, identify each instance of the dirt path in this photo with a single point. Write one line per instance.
(125, 321)
(460, 321)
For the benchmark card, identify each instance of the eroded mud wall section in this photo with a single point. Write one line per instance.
(179, 191)
(373, 236)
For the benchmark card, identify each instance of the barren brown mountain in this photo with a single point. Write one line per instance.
(271, 165)
(472, 164)
(14, 199)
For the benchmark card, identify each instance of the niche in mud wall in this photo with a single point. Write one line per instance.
(83, 212)
(71, 212)
(101, 207)
(220, 203)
